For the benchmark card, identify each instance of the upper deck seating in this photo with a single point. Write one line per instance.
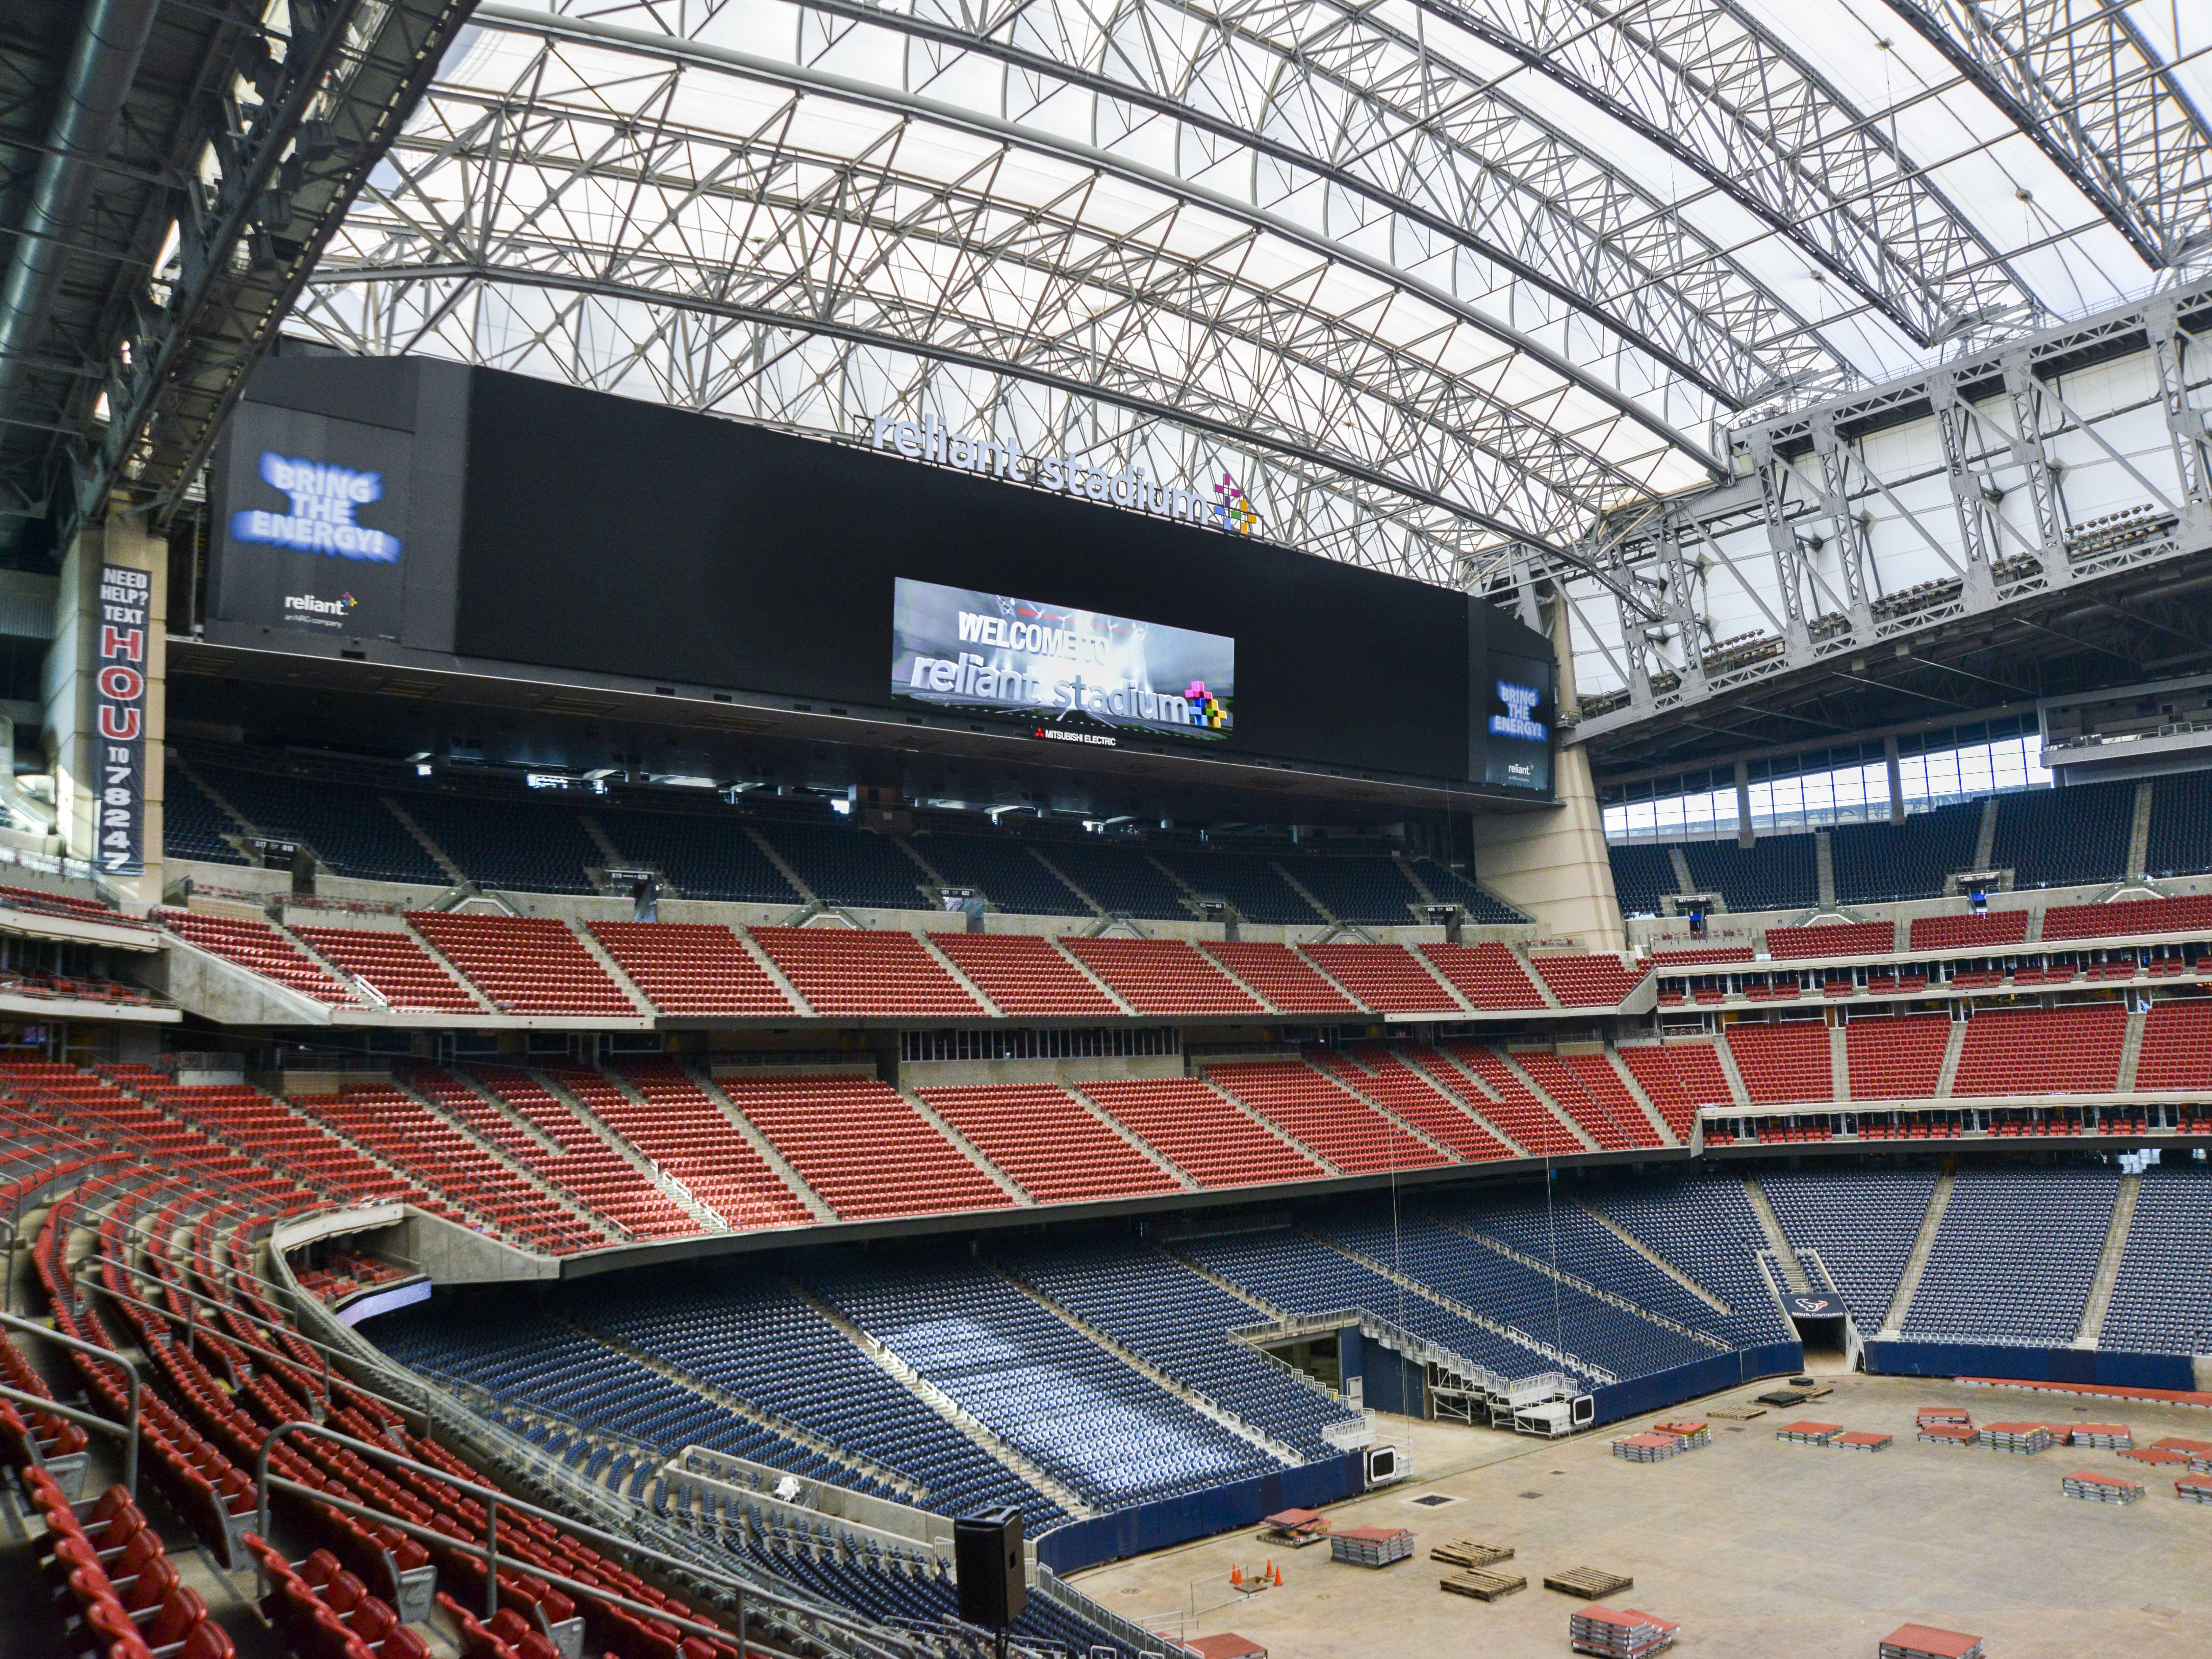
(1368, 888)
(843, 973)
(1278, 974)
(1250, 881)
(509, 842)
(1199, 1131)
(1119, 878)
(1642, 875)
(2069, 837)
(1775, 873)
(1002, 868)
(1026, 976)
(258, 948)
(862, 1147)
(1388, 978)
(192, 826)
(692, 968)
(347, 823)
(1162, 976)
(847, 865)
(1049, 1141)
(399, 970)
(1489, 976)
(703, 854)
(1885, 863)
(524, 964)
(1342, 1127)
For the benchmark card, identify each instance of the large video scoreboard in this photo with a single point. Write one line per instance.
(412, 511)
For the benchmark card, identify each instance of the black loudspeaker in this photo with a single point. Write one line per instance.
(986, 1562)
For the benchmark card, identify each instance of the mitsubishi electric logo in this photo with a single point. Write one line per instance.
(1518, 721)
(323, 499)
(929, 439)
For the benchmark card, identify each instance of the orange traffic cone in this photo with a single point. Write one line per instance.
(1278, 1576)
(1236, 1575)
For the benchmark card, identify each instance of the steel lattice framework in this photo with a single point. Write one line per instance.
(1452, 287)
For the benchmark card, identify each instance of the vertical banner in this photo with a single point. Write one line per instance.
(119, 720)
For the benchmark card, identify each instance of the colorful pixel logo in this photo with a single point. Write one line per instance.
(1205, 708)
(1234, 508)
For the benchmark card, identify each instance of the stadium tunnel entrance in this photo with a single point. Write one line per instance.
(1824, 1326)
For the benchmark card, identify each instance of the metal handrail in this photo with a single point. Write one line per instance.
(492, 1499)
(128, 1429)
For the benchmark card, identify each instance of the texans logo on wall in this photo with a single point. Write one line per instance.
(1816, 1307)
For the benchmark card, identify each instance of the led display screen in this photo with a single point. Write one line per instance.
(1061, 666)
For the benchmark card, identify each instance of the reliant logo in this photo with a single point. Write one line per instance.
(1520, 702)
(930, 440)
(316, 612)
(324, 501)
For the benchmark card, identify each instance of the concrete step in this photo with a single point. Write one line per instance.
(1793, 1270)
(1917, 1264)
(2108, 1264)
(1948, 1072)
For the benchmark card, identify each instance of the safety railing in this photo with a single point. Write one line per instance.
(126, 1431)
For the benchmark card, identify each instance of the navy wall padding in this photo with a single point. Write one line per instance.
(1658, 1389)
(1394, 1384)
(2082, 1365)
(1201, 1515)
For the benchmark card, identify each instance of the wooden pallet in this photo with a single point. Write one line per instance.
(1588, 1583)
(1734, 1413)
(1482, 1586)
(1466, 1552)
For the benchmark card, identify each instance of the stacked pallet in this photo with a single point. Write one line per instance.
(1950, 1434)
(2022, 1439)
(1649, 1448)
(2198, 1452)
(2194, 1489)
(1371, 1546)
(1294, 1527)
(1926, 1642)
(1945, 1415)
(1807, 1432)
(1622, 1634)
(2157, 1457)
(2092, 1488)
(1859, 1440)
(1692, 1433)
(2104, 1436)
(1469, 1554)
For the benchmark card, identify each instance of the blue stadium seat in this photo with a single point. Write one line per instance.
(1883, 863)
(2072, 837)
(192, 826)
(1002, 868)
(1776, 872)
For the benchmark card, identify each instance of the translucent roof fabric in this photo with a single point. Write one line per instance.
(1427, 280)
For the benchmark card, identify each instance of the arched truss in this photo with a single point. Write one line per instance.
(1342, 248)
(659, 181)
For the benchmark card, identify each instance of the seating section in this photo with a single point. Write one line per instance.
(1108, 1431)
(1342, 1127)
(692, 969)
(1679, 1078)
(883, 975)
(1172, 1318)
(2162, 1298)
(1119, 878)
(1371, 889)
(1383, 1076)
(192, 826)
(509, 843)
(1388, 978)
(2071, 837)
(1702, 1222)
(258, 948)
(1586, 982)
(2192, 915)
(1003, 871)
(2021, 1051)
(1050, 1142)
(1162, 976)
(1603, 1108)
(846, 864)
(1481, 905)
(347, 824)
(541, 1132)
(2014, 1256)
(666, 1114)
(1994, 930)
(524, 964)
(45, 901)
(1489, 976)
(1026, 976)
(1899, 1058)
(2180, 842)
(1701, 956)
(1886, 863)
(1281, 975)
(1251, 884)
(1199, 1133)
(1642, 875)
(1784, 1063)
(269, 1130)
(862, 1147)
(2177, 1048)
(111, 1572)
(1776, 872)
(1847, 939)
(702, 854)
(395, 967)
(1533, 1123)
(406, 1135)
(1863, 1222)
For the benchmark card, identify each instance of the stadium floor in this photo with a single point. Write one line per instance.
(1755, 1547)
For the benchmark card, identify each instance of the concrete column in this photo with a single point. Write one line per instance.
(1743, 835)
(66, 694)
(1896, 779)
(1552, 863)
